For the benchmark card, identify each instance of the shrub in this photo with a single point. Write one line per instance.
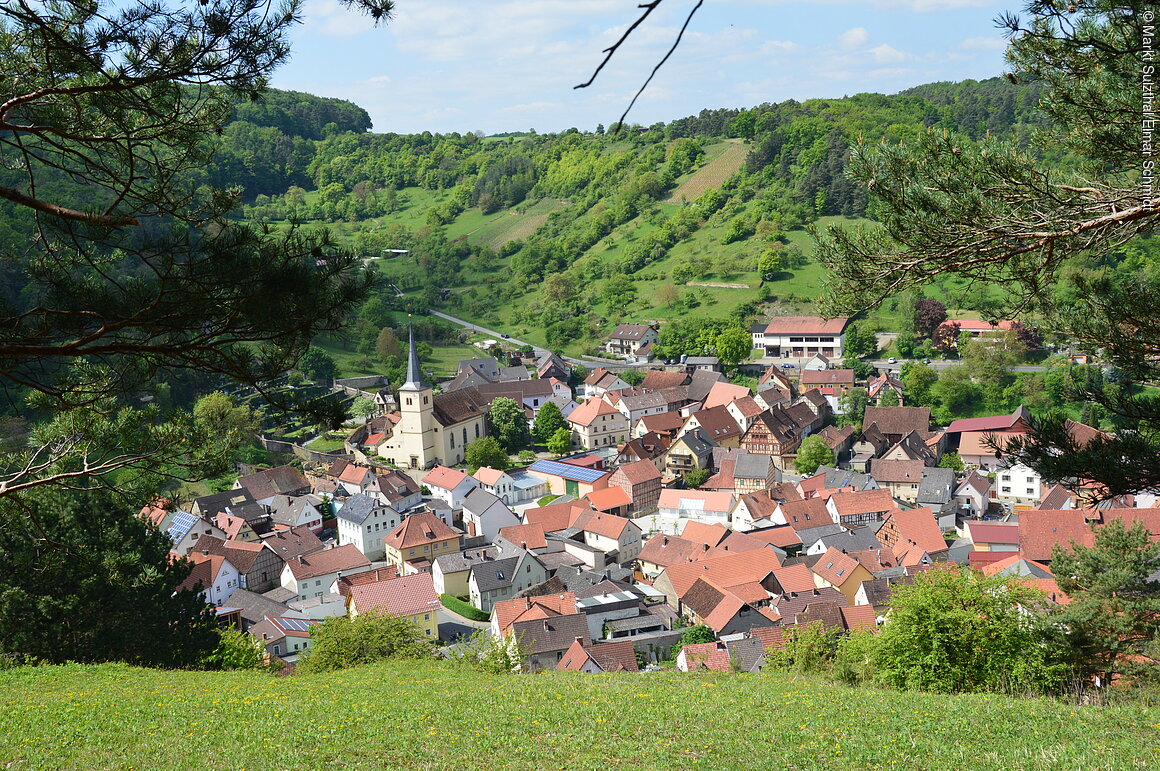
(465, 609)
(236, 650)
(808, 649)
(854, 658)
(340, 643)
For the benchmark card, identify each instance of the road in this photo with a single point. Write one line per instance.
(884, 364)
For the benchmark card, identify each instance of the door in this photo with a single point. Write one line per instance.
(571, 488)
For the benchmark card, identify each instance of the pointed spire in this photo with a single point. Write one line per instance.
(414, 371)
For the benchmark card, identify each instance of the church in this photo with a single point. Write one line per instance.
(433, 429)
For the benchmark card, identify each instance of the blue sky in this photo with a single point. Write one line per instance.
(510, 65)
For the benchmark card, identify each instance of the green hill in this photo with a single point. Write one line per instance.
(433, 715)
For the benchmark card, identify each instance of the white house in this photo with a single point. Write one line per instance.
(214, 576)
(1017, 485)
(295, 511)
(801, 336)
(498, 483)
(184, 530)
(363, 521)
(449, 485)
(313, 575)
(513, 571)
(608, 533)
(484, 514)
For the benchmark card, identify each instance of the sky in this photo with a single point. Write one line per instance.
(510, 65)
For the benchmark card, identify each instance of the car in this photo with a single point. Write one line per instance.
(892, 361)
(926, 361)
(506, 336)
(787, 365)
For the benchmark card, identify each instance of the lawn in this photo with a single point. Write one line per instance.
(444, 360)
(434, 715)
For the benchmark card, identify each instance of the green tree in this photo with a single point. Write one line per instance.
(558, 289)
(889, 398)
(917, 380)
(694, 635)
(951, 460)
(1029, 220)
(733, 345)
(486, 451)
(317, 364)
(342, 643)
(549, 420)
(853, 404)
(860, 341)
(218, 414)
(955, 629)
(695, 478)
(363, 407)
(769, 265)
(387, 346)
(813, 452)
(83, 581)
(236, 650)
(507, 423)
(560, 442)
(619, 293)
(1114, 613)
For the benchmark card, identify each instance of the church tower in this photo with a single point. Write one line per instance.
(416, 436)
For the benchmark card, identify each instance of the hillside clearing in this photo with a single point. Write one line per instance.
(714, 173)
(432, 715)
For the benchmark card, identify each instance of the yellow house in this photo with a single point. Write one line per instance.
(411, 597)
(841, 571)
(413, 546)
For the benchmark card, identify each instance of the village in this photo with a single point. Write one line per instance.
(599, 558)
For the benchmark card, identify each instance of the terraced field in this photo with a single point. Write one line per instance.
(725, 160)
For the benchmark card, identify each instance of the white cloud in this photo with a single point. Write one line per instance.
(886, 54)
(329, 18)
(983, 44)
(852, 38)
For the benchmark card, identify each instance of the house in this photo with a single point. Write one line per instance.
(530, 394)
(356, 479)
(545, 640)
(729, 572)
(498, 483)
(295, 542)
(839, 440)
(265, 484)
(642, 481)
(693, 450)
(805, 514)
(618, 656)
(753, 473)
(396, 489)
(1017, 485)
(860, 508)
(610, 500)
(893, 423)
(569, 479)
(313, 575)
(901, 477)
(702, 506)
(831, 383)
(972, 495)
(601, 381)
(635, 404)
(842, 572)
(742, 655)
(611, 534)
(538, 606)
(878, 386)
(432, 428)
(514, 570)
(213, 576)
(286, 637)
(257, 565)
(936, 491)
(451, 571)
(801, 336)
(993, 536)
(297, 511)
(409, 597)
(209, 506)
(913, 447)
(484, 514)
(363, 521)
(185, 530)
(702, 363)
(976, 328)
(662, 551)
(817, 540)
(773, 433)
(628, 339)
(1040, 530)
(727, 611)
(667, 424)
(596, 423)
(552, 366)
(417, 541)
(449, 485)
(910, 533)
(715, 424)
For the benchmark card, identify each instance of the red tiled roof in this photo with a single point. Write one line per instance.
(525, 536)
(827, 377)
(1040, 530)
(835, 567)
(795, 578)
(639, 471)
(917, 528)
(369, 577)
(991, 423)
(811, 512)
(782, 536)
(805, 325)
(418, 529)
(507, 612)
(487, 475)
(590, 410)
(666, 550)
(618, 656)
(858, 617)
(724, 572)
(993, 532)
(355, 475)
(400, 596)
(713, 656)
(607, 525)
(609, 498)
(723, 392)
(444, 478)
(863, 501)
(554, 516)
(321, 563)
(704, 532)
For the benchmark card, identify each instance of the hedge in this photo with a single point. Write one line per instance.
(465, 609)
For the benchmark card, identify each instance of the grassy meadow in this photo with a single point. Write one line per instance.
(411, 715)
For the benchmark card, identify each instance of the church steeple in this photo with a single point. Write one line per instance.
(414, 371)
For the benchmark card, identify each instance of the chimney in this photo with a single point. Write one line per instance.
(665, 541)
(205, 552)
(527, 603)
(546, 625)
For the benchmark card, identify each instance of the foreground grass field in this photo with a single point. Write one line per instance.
(431, 715)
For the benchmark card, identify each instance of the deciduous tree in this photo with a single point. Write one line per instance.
(549, 420)
(812, 453)
(486, 451)
(506, 422)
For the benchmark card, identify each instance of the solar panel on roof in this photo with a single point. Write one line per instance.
(568, 471)
(294, 624)
(183, 522)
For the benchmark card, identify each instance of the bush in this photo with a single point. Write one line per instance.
(808, 649)
(465, 609)
(854, 658)
(236, 650)
(497, 655)
(340, 643)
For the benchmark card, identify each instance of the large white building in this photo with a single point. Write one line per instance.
(800, 337)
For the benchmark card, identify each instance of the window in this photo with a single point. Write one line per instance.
(426, 616)
(1006, 489)
(426, 547)
(318, 582)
